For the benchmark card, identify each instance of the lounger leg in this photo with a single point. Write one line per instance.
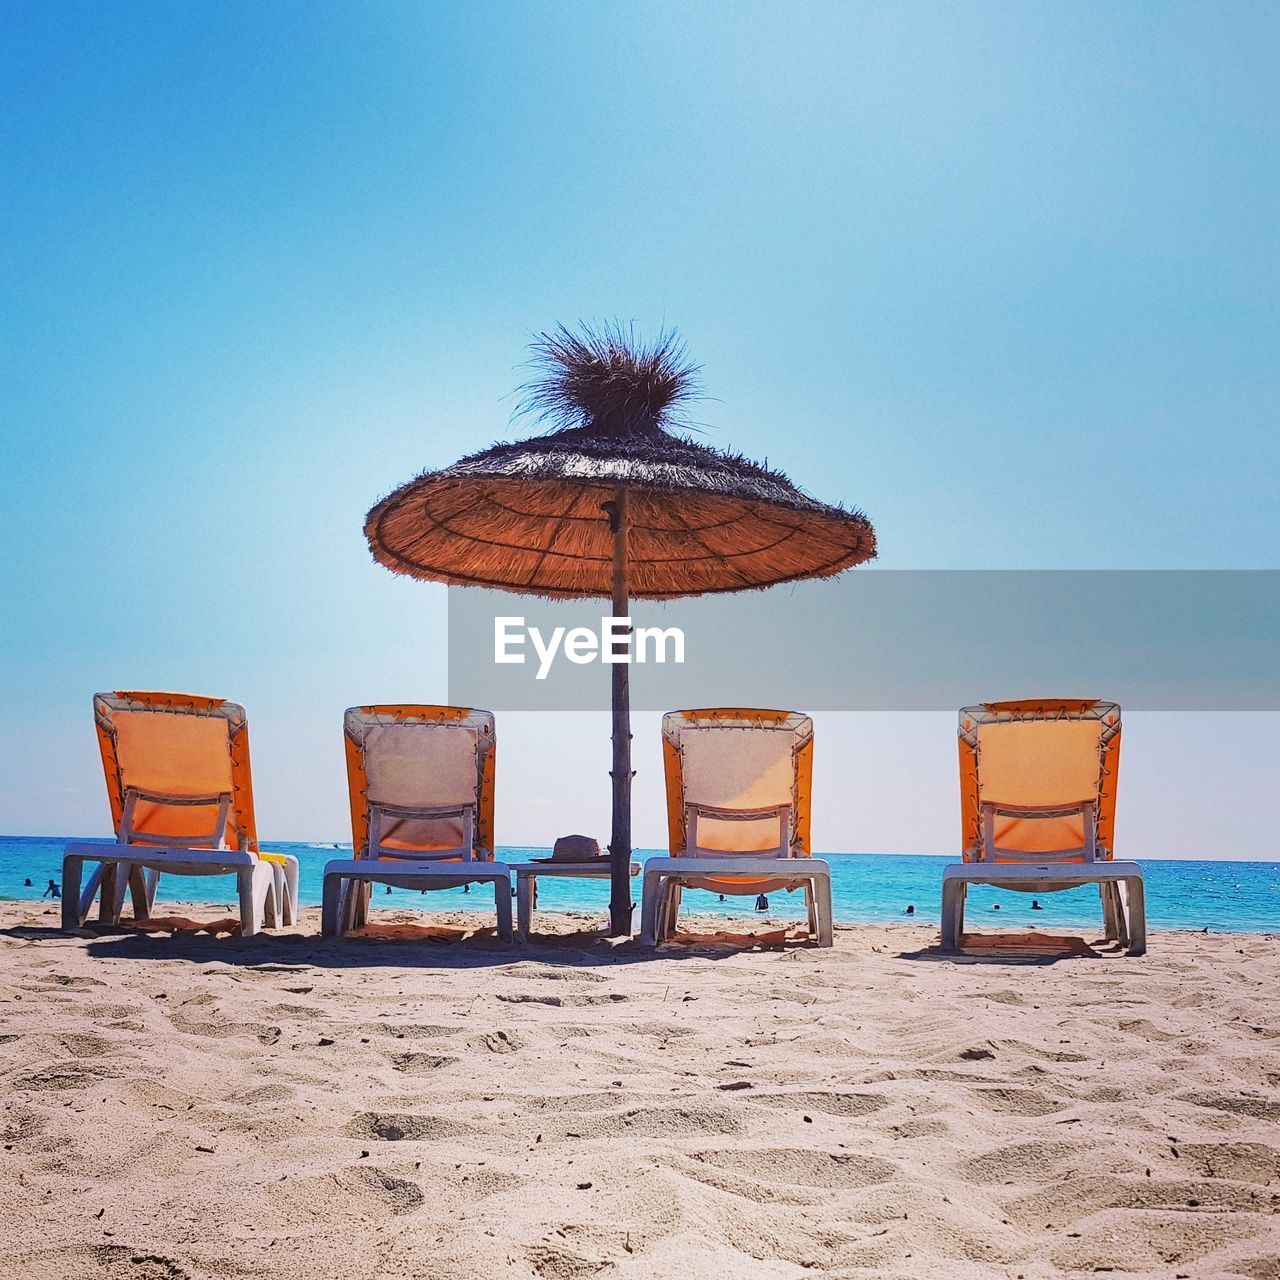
(151, 879)
(502, 900)
(109, 893)
(953, 895)
(106, 892)
(649, 890)
(826, 922)
(273, 915)
(286, 892)
(524, 905)
(1113, 913)
(1137, 916)
(244, 889)
(351, 892)
(811, 909)
(1110, 927)
(87, 893)
(671, 911)
(1121, 908)
(72, 873)
(253, 884)
(137, 892)
(663, 893)
(124, 877)
(361, 893)
(347, 905)
(291, 891)
(331, 909)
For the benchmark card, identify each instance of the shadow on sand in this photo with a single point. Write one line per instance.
(1019, 948)
(390, 945)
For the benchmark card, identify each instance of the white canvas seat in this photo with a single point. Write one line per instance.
(1038, 799)
(738, 807)
(181, 795)
(421, 791)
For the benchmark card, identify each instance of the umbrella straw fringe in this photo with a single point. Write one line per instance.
(527, 516)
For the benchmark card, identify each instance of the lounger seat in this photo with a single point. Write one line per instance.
(126, 870)
(1124, 921)
(662, 876)
(341, 875)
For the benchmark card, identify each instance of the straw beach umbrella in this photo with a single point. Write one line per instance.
(612, 502)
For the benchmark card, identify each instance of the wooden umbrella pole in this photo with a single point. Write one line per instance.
(620, 838)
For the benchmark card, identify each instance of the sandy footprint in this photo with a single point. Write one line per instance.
(828, 1102)
(394, 1126)
(799, 1167)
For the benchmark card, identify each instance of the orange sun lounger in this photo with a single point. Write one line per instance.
(178, 781)
(1038, 807)
(739, 784)
(421, 789)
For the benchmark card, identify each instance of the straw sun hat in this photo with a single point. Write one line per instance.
(574, 849)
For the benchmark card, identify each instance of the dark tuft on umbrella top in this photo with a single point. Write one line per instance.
(609, 381)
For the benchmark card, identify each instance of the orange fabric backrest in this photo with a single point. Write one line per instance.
(1039, 754)
(360, 722)
(799, 731)
(1038, 762)
(182, 746)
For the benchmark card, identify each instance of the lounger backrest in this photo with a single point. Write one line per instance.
(738, 781)
(421, 781)
(177, 769)
(1041, 777)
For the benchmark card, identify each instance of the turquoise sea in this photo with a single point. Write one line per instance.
(866, 888)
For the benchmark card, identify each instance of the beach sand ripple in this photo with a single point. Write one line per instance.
(404, 1105)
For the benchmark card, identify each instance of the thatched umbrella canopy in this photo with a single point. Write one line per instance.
(615, 502)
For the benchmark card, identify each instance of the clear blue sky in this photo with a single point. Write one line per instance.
(1005, 276)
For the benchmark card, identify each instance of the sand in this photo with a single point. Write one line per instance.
(178, 1105)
